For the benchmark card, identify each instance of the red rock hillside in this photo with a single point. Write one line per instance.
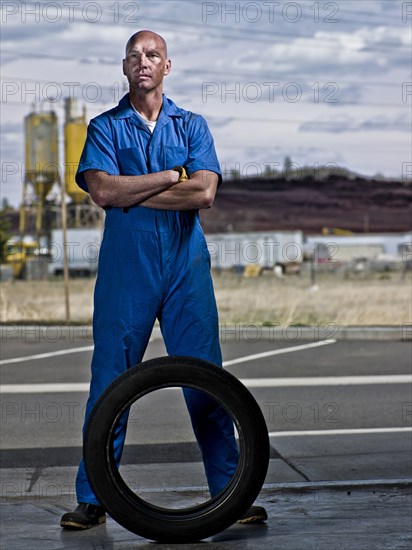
(355, 204)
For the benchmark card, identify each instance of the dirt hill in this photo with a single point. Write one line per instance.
(355, 204)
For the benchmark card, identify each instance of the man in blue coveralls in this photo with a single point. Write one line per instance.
(152, 166)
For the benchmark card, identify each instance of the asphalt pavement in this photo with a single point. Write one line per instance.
(339, 419)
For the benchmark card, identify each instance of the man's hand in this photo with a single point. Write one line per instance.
(182, 173)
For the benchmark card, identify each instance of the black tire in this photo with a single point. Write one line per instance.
(184, 524)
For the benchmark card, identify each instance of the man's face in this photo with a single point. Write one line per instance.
(146, 62)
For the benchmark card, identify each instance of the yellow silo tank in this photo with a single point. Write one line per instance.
(42, 158)
(75, 131)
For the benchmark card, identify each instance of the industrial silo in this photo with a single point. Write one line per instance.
(75, 130)
(42, 160)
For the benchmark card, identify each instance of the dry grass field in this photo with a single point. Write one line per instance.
(372, 300)
(291, 300)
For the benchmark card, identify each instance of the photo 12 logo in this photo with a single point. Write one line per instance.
(271, 12)
(52, 92)
(70, 12)
(252, 92)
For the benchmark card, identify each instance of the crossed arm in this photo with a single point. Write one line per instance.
(160, 190)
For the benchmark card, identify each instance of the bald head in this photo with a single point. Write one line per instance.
(146, 64)
(161, 42)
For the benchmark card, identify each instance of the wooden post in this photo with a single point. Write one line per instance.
(65, 255)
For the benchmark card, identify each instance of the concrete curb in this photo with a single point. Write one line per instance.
(58, 482)
(342, 484)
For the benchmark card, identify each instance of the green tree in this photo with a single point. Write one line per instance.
(289, 168)
(287, 165)
(5, 205)
(234, 174)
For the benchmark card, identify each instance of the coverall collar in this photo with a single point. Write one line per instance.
(169, 109)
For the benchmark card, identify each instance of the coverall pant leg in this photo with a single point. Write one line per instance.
(189, 325)
(126, 300)
(164, 272)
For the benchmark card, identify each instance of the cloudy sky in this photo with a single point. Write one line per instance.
(322, 82)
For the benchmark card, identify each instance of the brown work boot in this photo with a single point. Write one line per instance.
(83, 517)
(255, 514)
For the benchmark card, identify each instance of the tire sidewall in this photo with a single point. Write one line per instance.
(181, 525)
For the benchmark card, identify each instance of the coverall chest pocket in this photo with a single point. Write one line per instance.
(174, 156)
(131, 161)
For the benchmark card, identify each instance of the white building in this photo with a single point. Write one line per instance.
(344, 248)
(263, 248)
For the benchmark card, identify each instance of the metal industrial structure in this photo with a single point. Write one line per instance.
(43, 171)
(41, 167)
(75, 130)
(82, 212)
(51, 198)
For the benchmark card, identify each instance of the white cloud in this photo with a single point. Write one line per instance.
(347, 123)
(336, 50)
(366, 54)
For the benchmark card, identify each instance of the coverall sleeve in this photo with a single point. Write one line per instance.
(98, 152)
(202, 153)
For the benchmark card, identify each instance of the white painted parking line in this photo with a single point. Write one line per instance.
(264, 354)
(44, 388)
(248, 382)
(327, 381)
(45, 355)
(354, 431)
(68, 351)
